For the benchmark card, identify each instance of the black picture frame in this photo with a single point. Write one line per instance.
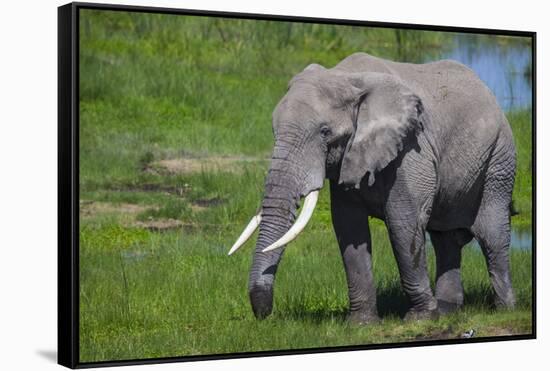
(68, 182)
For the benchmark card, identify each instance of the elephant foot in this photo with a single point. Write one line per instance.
(363, 318)
(506, 303)
(420, 315)
(446, 307)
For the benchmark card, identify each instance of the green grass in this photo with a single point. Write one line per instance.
(157, 87)
(521, 123)
(146, 294)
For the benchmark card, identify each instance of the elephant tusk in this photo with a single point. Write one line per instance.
(248, 231)
(300, 224)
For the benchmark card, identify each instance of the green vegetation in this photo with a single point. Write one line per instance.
(521, 122)
(178, 293)
(174, 135)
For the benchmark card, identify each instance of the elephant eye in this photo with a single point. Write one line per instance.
(325, 131)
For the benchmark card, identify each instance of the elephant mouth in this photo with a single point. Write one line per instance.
(306, 213)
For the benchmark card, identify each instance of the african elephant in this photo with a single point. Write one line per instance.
(423, 147)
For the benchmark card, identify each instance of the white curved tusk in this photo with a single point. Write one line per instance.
(248, 231)
(300, 224)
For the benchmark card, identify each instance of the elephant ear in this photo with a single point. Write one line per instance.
(310, 70)
(386, 113)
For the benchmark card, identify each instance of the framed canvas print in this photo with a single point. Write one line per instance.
(237, 185)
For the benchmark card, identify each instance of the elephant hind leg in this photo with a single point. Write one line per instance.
(449, 291)
(492, 230)
(491, 227)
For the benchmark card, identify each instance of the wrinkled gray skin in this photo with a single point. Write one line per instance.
(423, 147)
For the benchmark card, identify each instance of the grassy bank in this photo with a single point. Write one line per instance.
(174, 135)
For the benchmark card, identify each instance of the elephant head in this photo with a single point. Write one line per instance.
(330, 124)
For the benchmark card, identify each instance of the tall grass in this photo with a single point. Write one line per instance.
(156, 87)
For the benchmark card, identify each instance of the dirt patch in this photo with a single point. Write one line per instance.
(159, 225)
(204, 203)
(152, 187)
(501, 331)
(93, 208)
(233, 164)
(197, 208)
(447, 333)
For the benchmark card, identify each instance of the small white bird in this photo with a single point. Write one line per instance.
(468, 334)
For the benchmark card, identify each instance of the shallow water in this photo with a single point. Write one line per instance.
(505, 66)
(520, 240)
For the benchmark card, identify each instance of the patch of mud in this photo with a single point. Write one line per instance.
(160, 225)
(205, 203)
(175, 166)
(447, 333)
(93, 208)
(197, 208)
(501, 331)
(152, 187)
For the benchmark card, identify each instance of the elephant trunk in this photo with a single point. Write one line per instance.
(283, 189)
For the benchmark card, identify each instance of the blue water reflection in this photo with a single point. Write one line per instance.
(503, 63)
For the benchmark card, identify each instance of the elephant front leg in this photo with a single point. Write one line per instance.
(350, 221)
(406, 226)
